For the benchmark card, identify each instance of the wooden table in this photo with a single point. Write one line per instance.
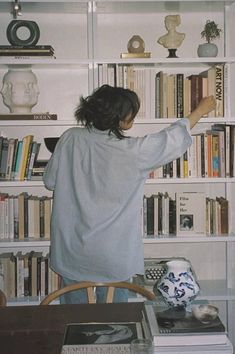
(40, 329)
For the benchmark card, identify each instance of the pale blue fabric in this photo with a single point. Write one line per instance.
(80, 296)
(98, 182)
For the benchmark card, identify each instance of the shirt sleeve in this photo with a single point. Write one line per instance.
(50, 173)
(159, 148)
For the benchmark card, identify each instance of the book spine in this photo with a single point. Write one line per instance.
(219, 90)
(215, 155)
(34, 116)
(180, 95)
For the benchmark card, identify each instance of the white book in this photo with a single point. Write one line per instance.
(190, 213)
(198, 349)
(155, 198)
(19, 276)
(31, 217)
(192, 161)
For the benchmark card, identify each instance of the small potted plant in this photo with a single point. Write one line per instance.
(210, 32)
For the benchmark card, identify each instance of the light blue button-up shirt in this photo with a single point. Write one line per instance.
(98, 183)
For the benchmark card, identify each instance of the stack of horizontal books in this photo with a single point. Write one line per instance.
(27, 51)
(178, 331)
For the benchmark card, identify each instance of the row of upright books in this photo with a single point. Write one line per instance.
(25, 216)
(188, 214)
(17, 157)
(176, 95)
(168, 95)
(27, 275)
(211, 155)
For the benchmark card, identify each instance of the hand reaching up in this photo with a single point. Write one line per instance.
(206, 105)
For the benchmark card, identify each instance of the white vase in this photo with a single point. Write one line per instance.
(178, 285)
(207, 50)
(20, 90)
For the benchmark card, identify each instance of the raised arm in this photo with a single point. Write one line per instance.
(206, 105)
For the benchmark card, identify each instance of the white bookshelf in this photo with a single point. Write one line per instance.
(86, 34)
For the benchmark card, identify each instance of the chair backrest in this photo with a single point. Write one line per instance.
(90, 286)
(3, 299)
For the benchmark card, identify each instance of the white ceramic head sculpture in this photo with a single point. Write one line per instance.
(20, 90)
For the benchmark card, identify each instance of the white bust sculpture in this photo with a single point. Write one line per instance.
(173, 39)
(20, 90)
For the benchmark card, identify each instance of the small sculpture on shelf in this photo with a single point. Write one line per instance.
(20, 90)
(173, 39)
(136, 48)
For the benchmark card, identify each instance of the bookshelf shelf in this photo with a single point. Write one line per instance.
(189, 239)
(190, 180)
(25, 246)
(21, 184)
(172, 120)
(172, 62)
(25, 123)
(46, 63)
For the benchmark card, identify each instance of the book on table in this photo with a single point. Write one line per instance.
(226, 348)
(175, 327)
(105, 336)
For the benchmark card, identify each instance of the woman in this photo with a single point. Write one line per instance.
(98, 175)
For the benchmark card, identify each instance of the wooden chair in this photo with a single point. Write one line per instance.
(89, 286)
(3, 299)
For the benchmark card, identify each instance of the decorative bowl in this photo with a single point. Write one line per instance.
(50, 143)
(205, 313)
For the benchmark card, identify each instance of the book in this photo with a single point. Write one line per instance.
(42, 47)
(224, 211)
(150, 215)
(219, 90)
(180, 94)
(33, 156)
(216, 86)
(210, 76)
(4, 155)
(27, 140)
(10, 155)
(42, 50)
(17, 159)
(157, 95)
(100, 335)
(163, 95)
(187, 96)
(23, 215)
(196, 90)
(215, 154)
(190, 213)
(222, 158)
(171, 93)
(175, 327)
(230, 160)
(29, 116)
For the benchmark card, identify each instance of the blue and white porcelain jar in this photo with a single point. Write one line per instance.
(178, 285)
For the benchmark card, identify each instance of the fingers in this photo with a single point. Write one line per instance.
(212, 101)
